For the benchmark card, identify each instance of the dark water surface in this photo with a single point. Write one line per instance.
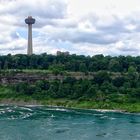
(44, 123)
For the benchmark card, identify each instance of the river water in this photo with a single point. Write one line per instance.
(46, 123)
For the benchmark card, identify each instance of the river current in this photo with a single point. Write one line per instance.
(47, 123)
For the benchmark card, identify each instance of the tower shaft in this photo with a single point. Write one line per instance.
(30, 48)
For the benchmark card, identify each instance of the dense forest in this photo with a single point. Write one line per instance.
(71, 62)
(115, 79)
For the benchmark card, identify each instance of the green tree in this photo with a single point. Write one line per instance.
(83, 67)
(118, 81)
(115, 66)
(101, 77)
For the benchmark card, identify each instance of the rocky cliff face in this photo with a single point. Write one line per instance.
(31, 78)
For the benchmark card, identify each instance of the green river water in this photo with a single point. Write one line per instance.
(47, 123)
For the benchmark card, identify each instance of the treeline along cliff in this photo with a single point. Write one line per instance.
(98, 78)
(73, 62)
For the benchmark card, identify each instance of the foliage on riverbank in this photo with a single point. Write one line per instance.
(81, 93)
(105, 81)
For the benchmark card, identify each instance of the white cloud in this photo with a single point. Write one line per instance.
(103, 7)
(86, 27)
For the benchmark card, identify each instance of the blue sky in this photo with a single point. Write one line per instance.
(89, 27)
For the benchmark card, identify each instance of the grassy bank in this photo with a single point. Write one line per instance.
(128, 107)
(26, 100)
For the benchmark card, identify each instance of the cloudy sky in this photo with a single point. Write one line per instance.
(89, 27)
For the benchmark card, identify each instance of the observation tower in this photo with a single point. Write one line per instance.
(30, 21)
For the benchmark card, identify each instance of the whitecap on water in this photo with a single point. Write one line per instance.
(112, 118)
(107, 110)
(2, 112)
(10, 110)
(25, 116)
(34, 105)
(62, 109)
(104, 117)
(11, 118)
(25, 108)
(52, 116)
(57, 109)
